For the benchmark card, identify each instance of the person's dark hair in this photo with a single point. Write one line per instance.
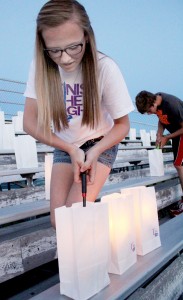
(144, 100)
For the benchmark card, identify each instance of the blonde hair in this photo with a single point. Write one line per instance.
(51, 107)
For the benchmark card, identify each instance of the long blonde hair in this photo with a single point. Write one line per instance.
(51, 107)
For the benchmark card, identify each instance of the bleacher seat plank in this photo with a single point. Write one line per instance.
(16, 175)
(44, 149)
(122, 286)
(132, 182)
(48, 149)
(18, 212)
(20, 171)
(140, 160)
(126, 147)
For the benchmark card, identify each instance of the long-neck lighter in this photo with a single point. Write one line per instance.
(83, 180)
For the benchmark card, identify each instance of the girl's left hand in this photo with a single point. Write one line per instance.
(90, 165)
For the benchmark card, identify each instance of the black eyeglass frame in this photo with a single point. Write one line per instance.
(63, 50)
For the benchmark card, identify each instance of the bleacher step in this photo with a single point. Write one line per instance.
(21, 205)
(122, 286)
(27, 210)
(168, 285)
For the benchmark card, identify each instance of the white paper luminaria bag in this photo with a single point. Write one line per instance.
(83, 249)
(132, 134)
(156, 163)
(122, 232)
(146, 218)
(47, 169)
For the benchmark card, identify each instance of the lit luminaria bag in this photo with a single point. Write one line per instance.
(122, 232)
(145, 218)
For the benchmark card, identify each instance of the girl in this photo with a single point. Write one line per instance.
(81, 94)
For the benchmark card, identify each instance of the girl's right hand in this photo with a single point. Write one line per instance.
(77, 158)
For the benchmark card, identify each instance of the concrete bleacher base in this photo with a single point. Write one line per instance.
(25, 246)
(168, 285)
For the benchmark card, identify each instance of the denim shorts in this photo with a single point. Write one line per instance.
(107, 157)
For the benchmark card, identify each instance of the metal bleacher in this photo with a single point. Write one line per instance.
(24, 218)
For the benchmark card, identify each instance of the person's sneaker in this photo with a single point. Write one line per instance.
(178, 210)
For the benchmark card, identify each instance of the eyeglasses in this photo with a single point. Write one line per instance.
(71, 51)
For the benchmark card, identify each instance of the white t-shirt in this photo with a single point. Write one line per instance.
(114, 100)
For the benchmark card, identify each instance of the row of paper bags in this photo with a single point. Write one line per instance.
(104, 237)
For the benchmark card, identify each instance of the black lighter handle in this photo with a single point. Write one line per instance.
(83, 181)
